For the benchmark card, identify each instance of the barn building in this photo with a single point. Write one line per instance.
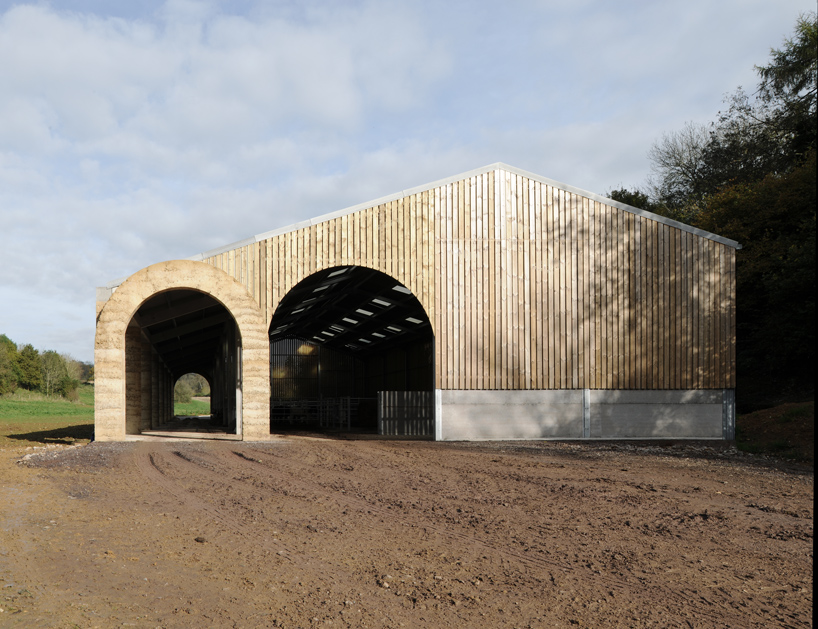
(496, 304)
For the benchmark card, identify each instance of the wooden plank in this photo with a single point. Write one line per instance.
(732, 319)
(480, 296)
(350, 238)
(550, 317)
(644, 312)
(483, 298)
(560, 254)
(438, 295)
(412, 249)
(647, 285)
(577, 288)
(320, 246)
(314, 239)
(694, 317)
(446, 283)
(389, 238)
(708, 316)
(424, 266)
(450, 284)
(667, 321)
(571, 290)
(457, 224)
(364, 254)
(630, 302)
(527, 306)
(624, 350)
(465, 288)
(711, 318)
(635, 318)
(380, 236)
(585, 240)
(662, 310)
(502, 280)
(468, 285)
(477, 284)
(456, 287)
(635, 279)
(613, 298)
(618, 301)
(491, 291)
(524, 303)
(474, 284)
(533, 283)
(511, 285)
(603, 231)
(675, 364)
(716, 313)
(686, 293)
(488, 275)
(593, 242)
(610, 296)
(513, 319)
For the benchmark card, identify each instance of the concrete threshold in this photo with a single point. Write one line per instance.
(161, 435)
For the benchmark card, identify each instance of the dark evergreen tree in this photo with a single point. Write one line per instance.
(30, 368)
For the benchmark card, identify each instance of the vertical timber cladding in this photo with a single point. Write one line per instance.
(542, 288)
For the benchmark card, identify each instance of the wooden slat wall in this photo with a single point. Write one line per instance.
(529, 286)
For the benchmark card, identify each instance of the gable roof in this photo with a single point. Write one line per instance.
(453, 179)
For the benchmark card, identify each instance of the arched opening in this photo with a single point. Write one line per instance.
(191, 396)
(178, 332)
(352, 350)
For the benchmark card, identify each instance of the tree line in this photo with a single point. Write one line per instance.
(750, 175)
(51, 373)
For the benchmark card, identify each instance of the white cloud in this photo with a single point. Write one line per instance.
(140, 132)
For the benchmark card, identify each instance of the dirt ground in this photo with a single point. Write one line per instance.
(320, 532)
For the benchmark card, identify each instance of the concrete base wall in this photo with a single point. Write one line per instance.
(584, 414)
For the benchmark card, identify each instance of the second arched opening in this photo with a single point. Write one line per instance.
(352, 350)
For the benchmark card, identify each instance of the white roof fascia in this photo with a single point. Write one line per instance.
(624, 206)
(472, 173)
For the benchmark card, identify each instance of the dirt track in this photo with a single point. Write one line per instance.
(309, 532)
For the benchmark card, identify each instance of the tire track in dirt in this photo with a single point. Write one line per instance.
(703, 603)
(300, 471)
(295, 478)
(19, 536)
(149, 464)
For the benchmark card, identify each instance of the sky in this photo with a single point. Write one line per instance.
(137, 132)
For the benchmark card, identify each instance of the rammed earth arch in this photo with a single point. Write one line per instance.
(110, 344)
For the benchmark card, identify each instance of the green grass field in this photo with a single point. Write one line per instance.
(33, 419)
(194, 407)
